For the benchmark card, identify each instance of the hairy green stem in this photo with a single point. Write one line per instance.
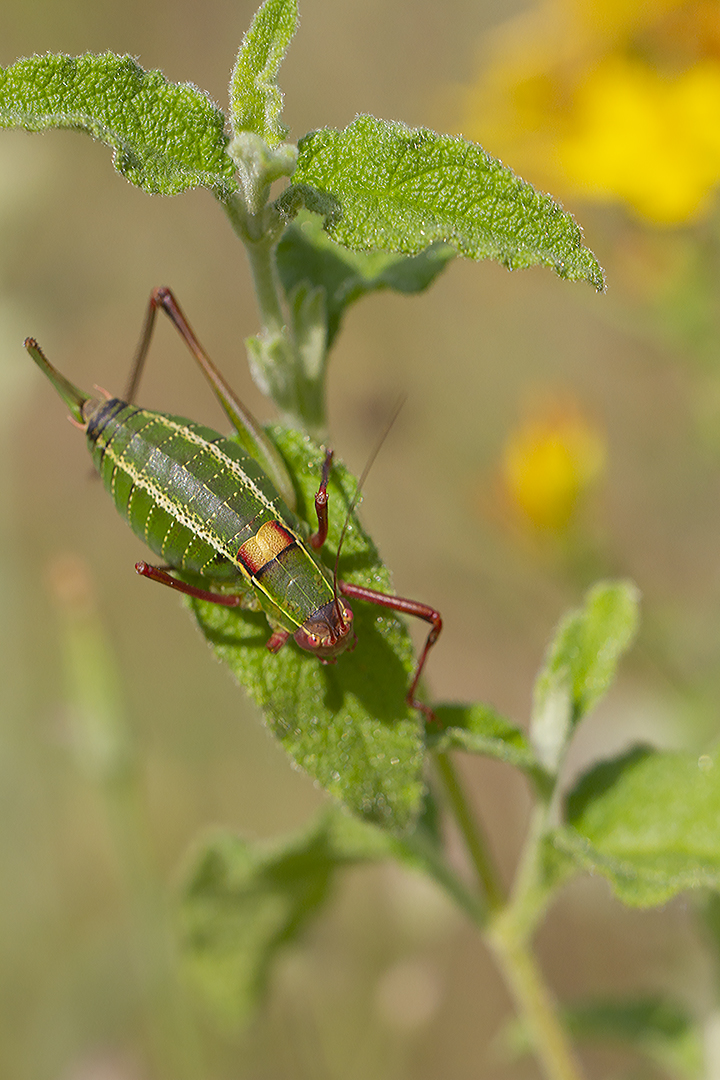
(533, 1000)
(287, 360)
(509, 925)
(474, 840)
(260, 254)
(259, 246)
(509, 936)
(433, 863)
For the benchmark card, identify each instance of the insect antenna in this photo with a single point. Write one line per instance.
(361, 483)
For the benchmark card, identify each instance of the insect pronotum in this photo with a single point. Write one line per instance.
(211, 507)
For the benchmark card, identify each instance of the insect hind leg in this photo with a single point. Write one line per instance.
(250, 433)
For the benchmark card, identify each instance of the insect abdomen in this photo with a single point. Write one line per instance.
(202, 505)
(193, 499)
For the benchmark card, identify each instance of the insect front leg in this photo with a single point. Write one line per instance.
(372, 596)
(407, 607)
(321, 504)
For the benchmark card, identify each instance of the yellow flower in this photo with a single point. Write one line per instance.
(649, 140)
(549, 462)
(611, 101)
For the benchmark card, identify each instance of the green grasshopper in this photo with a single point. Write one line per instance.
(221, 509)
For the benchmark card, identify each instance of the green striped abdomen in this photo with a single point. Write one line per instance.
(204, 506)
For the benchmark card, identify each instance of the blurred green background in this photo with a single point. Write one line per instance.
(392, 983)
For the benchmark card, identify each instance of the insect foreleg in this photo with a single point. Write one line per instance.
(277, 639)
(250, 433)
(321, 504)
(372, 596)
(408, 607)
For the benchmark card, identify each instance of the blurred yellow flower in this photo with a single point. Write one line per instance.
(549, 461)
(650, 141)
(610, 100)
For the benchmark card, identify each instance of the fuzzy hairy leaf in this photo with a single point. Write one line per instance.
(478, 729)
(346, 724)
(307, 256)
(166, 137)
(580, 664)
(648, 822)
(255, 97)
(398, 189)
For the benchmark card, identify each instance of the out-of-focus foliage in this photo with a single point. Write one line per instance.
(660, 1029)
(78, 259)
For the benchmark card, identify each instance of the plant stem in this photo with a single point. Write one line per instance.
(259, 246)
(287, 358)
(432, 862)
(474, 840)
(260, 254)
(510, 924)
(534, 1001)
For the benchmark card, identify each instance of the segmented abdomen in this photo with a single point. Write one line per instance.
(202, 505)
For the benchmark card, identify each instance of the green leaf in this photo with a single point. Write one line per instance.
(346, 724)
(660, 1029)
(399, 189)
(580, 665)
(306, 256)
(241, 902)
(648, 822)
(478, 729)
(255, 97)
(166, 137)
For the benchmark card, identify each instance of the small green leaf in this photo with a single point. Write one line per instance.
(660, 1029)
(478, 729)
(307, 256)
(399, 189)
(346, 724)
(255, 97)
(166, 137)
(241, 902)
(648, 822)
(580, 665)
